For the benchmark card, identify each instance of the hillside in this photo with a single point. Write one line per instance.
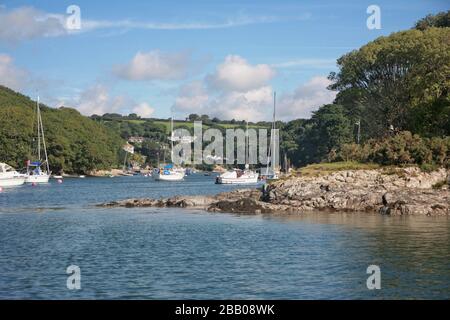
(75, 143)
(132, 125)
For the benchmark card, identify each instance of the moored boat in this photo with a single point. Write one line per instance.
(35, 173)
(168, 173)
(238, 176)
(10, 177)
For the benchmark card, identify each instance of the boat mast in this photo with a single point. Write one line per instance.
(273, 130)
(38, 130)
(247, 147)
(43, 138)
(270, 153)
(171, 138)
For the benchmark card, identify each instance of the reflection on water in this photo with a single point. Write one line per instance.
(173, 253)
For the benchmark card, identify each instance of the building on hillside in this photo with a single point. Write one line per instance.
(136, 139)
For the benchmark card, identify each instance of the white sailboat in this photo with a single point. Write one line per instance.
(238, 176)
(35, 173)
(9, 177)
(270, 171)
(169, 172)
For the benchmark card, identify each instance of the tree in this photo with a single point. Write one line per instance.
(386, 80)
(312, 140)
(75, 143)
(440, 20)
(133, 116)
(193, 117)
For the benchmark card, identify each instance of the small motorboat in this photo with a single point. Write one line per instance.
(238, 176)
(10, 177)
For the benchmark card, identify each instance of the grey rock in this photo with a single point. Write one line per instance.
(409, 192)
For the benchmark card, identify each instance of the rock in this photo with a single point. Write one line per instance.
(404, 192)
(245, 205)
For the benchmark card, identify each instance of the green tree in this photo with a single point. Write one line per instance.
(75, 143)
(385, 81)
(440, 20)
(327, 130)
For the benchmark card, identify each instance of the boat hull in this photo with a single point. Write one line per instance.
(38, 179)
(12, 182)
(178, 176)
(240, 180)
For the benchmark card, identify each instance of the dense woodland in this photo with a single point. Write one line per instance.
(397, 87)
(75, 143)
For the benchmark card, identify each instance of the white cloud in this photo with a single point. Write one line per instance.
(95, 99)
(236, 74)
(143, 110)
(236, 90)
(308, 63)
(154, 65)
(305, 99)
(130, 24)
(10, 75)
(253, 105)
(26, 23)
(191, 98)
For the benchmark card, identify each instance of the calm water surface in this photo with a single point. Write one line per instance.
(151, 253)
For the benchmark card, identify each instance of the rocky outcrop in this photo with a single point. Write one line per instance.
(397, 192)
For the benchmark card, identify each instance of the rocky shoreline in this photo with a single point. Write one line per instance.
(405, 191)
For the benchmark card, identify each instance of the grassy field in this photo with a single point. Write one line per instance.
(190, 124)
(325, 168)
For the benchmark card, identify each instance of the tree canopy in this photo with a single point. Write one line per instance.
(388, 80)
(440, 20)
(75, 143)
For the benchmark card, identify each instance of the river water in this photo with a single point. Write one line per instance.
(151, 253)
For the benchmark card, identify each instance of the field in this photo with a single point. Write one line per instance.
(190, 124)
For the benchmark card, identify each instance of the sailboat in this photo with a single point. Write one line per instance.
(128, 149)
(238, 176)
(35, 173)
(270, 171)
(169, 172)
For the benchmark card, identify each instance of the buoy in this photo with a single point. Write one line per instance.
(60, 181)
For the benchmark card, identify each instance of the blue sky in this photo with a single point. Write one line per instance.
(223, 58)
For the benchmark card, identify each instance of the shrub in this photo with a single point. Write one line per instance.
(401, 149)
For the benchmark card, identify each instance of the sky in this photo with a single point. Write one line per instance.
(158, 58)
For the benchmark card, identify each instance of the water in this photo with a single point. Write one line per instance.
(150, 253)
